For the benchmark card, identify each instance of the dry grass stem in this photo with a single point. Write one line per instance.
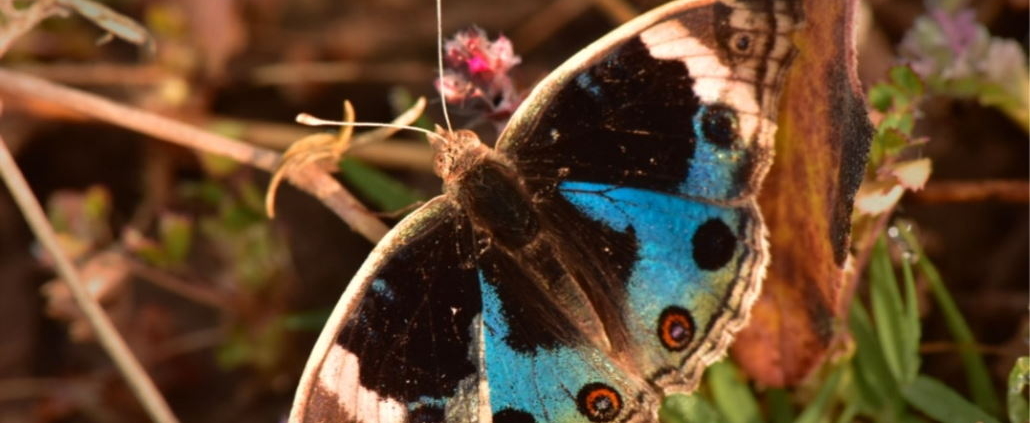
(18, 22)
(310, 178)
(112, 342)
(1006, 191)
(96, 74)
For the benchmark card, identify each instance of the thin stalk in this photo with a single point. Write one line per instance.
(138, 380)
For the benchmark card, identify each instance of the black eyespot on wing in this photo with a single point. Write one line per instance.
(676, 328)
(599, 402)
(716, 124)
(510, 415)
(741, 42)
(714, 244)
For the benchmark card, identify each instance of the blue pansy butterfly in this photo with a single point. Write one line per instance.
(598, 258)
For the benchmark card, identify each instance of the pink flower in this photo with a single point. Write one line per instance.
(476, 74)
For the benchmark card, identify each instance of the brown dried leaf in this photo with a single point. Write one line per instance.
(806, 201)
(913, 174)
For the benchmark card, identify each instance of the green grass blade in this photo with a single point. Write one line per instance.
(849, 413)
(1019, 379)
(911, 346)
(816, 411)
(873, 379)
(977, 375)
(378, 188)
(891, 329)
(780, 408)
(941, 403)
(688, 409)
(734, 399)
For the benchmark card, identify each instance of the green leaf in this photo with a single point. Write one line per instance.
(892, 140)
(891, 330)
(939, 402)
(235, 351)
(977, 375)
(902, 122)
(1019, 379)
(780, 408)
(230, 128)
(97, 203)
(816, 410)
(307, 321)
(176, 238)
(732, 395)
(907, 80)
(873, 378)
(207, 192)
(688, 409)
(384, 192)
(217, 166)
(881, 97)
(253, 198)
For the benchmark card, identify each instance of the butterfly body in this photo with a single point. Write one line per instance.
(599, 258)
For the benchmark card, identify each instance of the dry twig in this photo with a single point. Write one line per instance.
(310, 178)
(18, 22)
(1006, 191)
(109, 338)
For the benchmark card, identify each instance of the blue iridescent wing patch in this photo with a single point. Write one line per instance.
(599, 258)
(694, 274)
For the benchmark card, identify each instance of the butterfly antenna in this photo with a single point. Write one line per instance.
(439, 62)
(306, 119)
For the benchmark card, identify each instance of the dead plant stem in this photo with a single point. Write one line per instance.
(311, 179)
(17, 22)
(109, 338)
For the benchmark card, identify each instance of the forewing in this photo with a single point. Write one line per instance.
(401, 345)
(680, 100)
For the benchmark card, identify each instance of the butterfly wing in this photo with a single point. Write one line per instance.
(662, 131)
(681, 100)
(539, 368)
(422, 335)
(401, 344)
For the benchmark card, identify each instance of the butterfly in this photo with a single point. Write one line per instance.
(598, 258)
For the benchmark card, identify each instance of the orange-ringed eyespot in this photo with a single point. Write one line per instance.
(675, 328)
(599, 402)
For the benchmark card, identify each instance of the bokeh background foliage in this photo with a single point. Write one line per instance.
(221, 305)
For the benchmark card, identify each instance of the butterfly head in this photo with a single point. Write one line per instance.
(456, 152)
